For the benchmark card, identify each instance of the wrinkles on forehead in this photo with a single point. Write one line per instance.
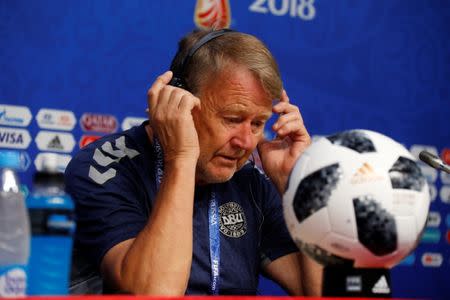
(235, 88)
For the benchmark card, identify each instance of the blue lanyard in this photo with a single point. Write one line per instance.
(213, 218)
(214, 243)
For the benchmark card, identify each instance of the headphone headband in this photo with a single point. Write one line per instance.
(178, 79)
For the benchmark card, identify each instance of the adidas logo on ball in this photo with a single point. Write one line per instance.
(364, 174)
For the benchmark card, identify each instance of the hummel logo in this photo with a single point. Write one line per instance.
(381, 287)
(102, 160)
(364, 174)
(55, 143)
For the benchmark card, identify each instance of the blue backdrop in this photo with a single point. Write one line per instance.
(379, 65)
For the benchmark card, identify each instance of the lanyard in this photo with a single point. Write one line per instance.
(213, 221)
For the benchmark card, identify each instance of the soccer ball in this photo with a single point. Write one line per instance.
(356, 198)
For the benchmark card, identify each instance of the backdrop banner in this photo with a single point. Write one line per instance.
(72, 71)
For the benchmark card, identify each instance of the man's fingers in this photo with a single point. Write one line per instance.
(284, 97)
(160, 82)
(283, 119)
(189, 102)
(288, 128)
(284, 108)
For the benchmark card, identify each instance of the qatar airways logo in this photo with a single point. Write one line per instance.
(214, 14)
(98, 123)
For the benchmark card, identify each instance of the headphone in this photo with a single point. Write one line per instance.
(178, 74)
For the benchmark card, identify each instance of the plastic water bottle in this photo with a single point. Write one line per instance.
(52, 225)
(14, 228)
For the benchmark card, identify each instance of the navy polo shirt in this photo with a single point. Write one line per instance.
(112, 182)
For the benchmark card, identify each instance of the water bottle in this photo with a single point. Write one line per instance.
(14, 228)
(52, 225)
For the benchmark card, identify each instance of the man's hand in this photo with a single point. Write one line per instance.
(278, 157)
(170, 114)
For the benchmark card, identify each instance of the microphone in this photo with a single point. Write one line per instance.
(434, 161)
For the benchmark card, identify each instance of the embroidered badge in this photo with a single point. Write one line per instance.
(232, 220)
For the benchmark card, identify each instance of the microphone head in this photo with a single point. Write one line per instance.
(430, 159)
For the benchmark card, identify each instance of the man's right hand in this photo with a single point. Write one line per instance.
(170, 114)
(149, 263)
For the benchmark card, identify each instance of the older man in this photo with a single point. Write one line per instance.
(172, 207)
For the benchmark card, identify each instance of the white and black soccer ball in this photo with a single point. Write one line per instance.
(358, 198)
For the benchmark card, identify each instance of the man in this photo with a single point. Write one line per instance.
(172, 207)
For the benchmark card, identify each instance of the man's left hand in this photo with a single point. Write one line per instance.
(278, 156)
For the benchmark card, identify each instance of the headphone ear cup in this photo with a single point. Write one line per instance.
(177, 82)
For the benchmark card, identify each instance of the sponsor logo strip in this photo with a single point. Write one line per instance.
(87, 139)
(432, 259)
(55, 141)
(416, 149)
(434, 219)
(431, 236)
(14, 138)
(445, 194)
(129, 122)
(12, 115)
(445, 177)
(21, 156)
(56, 119)
(446, 155)
(98, 123)
(62, 160)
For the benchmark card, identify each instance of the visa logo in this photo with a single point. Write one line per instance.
(14, 138)
(11, 138)
(431, 236)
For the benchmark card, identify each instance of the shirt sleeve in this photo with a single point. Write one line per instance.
(108, 200)
(275, 240)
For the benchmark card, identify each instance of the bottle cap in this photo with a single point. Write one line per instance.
(49, 173)
(50, 163)
(10, 159)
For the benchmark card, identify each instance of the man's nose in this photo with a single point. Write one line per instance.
(245, 138)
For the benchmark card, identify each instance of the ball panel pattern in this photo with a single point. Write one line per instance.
(315, 190)
(376, 226)
(406, 174)
(353, 139)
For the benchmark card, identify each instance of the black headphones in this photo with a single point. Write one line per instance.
(178, 74)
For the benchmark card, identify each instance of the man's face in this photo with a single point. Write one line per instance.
(234, 110)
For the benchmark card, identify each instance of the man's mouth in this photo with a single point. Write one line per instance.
(230, 158)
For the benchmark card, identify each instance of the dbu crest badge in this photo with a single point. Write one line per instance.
(212, 14)
(232, 220)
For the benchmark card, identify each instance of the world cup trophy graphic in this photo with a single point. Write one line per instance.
(212, 14)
